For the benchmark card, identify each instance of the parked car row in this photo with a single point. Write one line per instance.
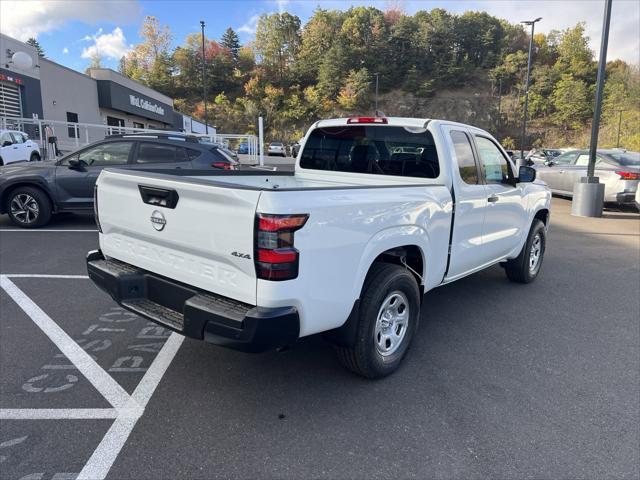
(32, 192)
(619, 170)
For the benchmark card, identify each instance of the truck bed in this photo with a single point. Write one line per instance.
(284, 181)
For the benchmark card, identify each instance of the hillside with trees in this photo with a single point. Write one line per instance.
(433, 64)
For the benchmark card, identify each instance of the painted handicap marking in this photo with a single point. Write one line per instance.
(127, 409)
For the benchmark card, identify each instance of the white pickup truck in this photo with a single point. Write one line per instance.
(378, 212)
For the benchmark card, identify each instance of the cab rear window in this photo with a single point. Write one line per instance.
(382, 150)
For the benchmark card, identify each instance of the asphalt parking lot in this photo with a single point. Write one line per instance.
(503, 380)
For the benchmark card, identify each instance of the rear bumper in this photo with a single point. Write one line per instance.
(192, 312)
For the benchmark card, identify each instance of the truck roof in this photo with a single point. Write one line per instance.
(391, 121)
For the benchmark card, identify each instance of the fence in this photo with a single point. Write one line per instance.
(71, 136)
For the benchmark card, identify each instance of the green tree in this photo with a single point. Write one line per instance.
(317, 38)
(570, 99)
(354, 95)
(35, 44)
(574, 55)
(231, 41)
(277, 44)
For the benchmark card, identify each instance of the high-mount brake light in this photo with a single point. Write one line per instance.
(275, 257)
(628, 175)
(381, 120)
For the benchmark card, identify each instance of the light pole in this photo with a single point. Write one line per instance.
(526, 87)
(204, 83)
(588, 194)
(377, 75)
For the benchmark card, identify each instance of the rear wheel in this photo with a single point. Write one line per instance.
(29, 207)
(34, 157)
(526, 266)
(387, 320)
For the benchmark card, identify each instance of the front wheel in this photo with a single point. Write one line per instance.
(29, 207)
(526, 266)
(387, 321)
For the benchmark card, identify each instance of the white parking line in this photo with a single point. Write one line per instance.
(33, 275)
(106, 453)
(46, 230)
(101, 380)
(57, 413)
(128, 409)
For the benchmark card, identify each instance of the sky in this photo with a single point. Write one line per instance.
(70, 31)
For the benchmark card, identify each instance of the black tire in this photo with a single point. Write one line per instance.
(38, 211)
(383, 282)
(1, 162)
(35, 157)
(520, 269)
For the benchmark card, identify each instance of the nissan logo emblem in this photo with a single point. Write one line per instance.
(158, 221)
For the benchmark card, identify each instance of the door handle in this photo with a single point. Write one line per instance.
(560, 171)
(493, 198)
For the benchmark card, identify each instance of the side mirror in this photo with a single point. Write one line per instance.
(75, 164)
(549, 163)
(7, 143)
(526, 174)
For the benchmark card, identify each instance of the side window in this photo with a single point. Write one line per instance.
(18, 137)
(193, 154)
(6, 137)
(494, 165)
(583, 160)
(106, 154)
(160, 153)
(464, 156)
(565, 158)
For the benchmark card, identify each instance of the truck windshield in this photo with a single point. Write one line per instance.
(382, 150)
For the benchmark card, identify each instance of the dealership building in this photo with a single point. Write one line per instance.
(43, 89)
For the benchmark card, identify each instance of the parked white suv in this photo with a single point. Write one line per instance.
(16, 146)
(378, 212)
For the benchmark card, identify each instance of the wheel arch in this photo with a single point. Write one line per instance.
(389, 245)
(6, 192)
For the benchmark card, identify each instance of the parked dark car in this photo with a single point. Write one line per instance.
(32, 192)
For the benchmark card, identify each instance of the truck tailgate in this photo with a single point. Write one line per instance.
(204, 240)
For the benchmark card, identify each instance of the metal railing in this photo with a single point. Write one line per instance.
(71, 136)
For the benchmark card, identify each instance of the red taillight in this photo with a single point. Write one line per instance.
(367, 120)
(223, 165)
(274, 223)
(628, 175)
(275, 257)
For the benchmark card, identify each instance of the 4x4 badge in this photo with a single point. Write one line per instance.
(241, 255)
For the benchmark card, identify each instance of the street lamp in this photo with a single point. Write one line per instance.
(526, 87)
(588, 194)
(204, 83)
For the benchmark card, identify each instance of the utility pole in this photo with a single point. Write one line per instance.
(377, 75)
(526, 87)
(588, 195)
(619, 127)
(204, 83)
(499, 126)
